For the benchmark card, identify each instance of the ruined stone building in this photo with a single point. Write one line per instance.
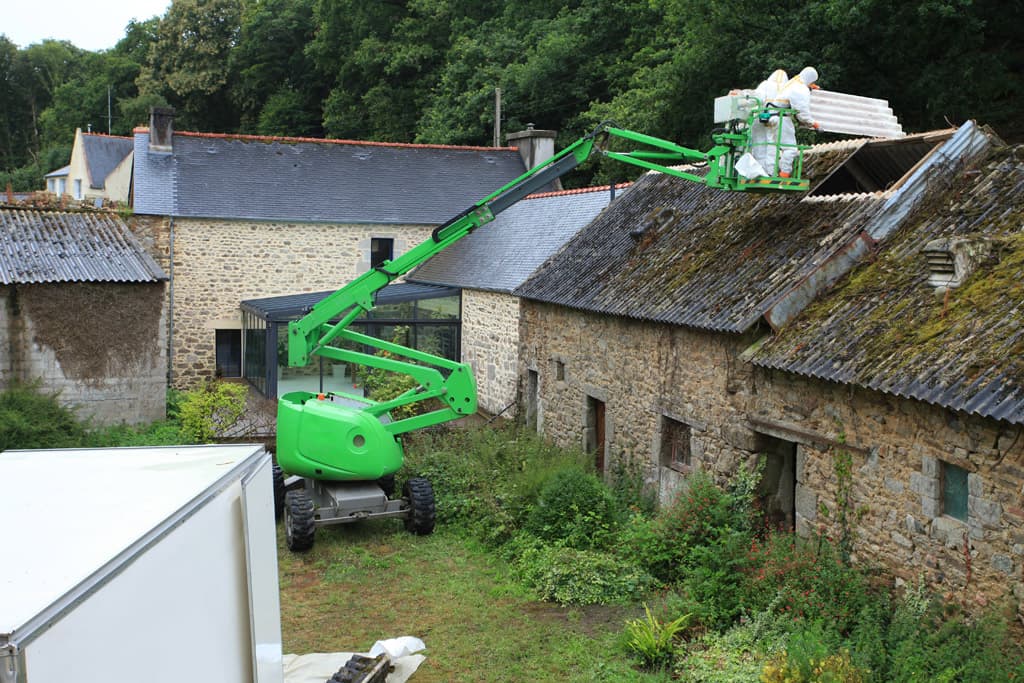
(491, 262)
(863, 342)
(82, 313)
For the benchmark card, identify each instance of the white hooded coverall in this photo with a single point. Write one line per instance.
(763, 135)
(795, 95)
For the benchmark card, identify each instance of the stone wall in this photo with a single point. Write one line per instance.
(219, 263)
(490, 344)
(651, 377)
(897, 448)
(106, 361)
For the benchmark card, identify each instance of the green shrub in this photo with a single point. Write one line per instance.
(211, 410)
(30, 418)
(574, 509)
(581, 577)
(654, 641)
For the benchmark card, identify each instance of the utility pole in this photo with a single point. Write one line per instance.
(109, 117)
(497, 117)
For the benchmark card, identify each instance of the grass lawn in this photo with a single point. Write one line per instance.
(369, 581)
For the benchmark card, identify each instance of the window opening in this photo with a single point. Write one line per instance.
(776, 491)
(559, 371)
(229, 353)
(954, 491)
(675, 444)
(381, 249)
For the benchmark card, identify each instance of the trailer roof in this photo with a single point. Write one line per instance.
(74, 517)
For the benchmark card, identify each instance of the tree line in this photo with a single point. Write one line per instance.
(426, 70)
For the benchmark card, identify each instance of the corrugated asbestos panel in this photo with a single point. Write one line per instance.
(854, 115)
(677, 252)
(886, 329)
(56, 246)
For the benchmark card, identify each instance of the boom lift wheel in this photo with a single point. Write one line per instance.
(299, 528)
(420, 494)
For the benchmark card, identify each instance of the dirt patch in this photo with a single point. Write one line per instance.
(304, 580)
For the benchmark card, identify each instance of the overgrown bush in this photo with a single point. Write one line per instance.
(581, 577)
(211, 410)
(574, 509)
(31, 418)
(809, 658)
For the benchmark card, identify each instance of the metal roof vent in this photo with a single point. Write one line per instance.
(952, 260)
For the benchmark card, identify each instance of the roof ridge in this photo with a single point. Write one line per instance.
(105, 135)
(333, 141)
(578, 190)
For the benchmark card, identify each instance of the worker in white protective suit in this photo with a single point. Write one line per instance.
(764, 131)
(795, 95)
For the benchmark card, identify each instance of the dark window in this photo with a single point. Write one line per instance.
(381, 249)
(954, 491)
(559, 371)
(675, 443)
(229, 353)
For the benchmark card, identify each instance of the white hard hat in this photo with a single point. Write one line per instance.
(809, 75)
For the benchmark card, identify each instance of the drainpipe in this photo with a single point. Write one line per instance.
(170, 309)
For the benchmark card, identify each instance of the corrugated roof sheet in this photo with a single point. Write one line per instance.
(885, 328)
(677, 252)
(502, 254)
(102, 155)
(212, 176)
(62, 246)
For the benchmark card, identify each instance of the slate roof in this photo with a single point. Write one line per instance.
(297, 179)
(60, 172)
(63, 246)
(677, 252)
(102, 155)
(884, 327)
(500, 255)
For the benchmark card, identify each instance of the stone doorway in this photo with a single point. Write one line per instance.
(594, 437)
(777, 489)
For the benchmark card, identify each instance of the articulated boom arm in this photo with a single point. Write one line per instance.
(323, 427)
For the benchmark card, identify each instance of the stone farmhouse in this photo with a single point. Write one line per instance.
(100, 169)
(239, 218)
(863, 342)
(491, 262)
(82, 313)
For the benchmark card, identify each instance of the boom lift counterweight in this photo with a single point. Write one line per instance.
(340, 451)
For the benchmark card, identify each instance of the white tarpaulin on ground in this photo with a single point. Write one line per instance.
(318, 667)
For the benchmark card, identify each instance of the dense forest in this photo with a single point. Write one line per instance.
(426, 70)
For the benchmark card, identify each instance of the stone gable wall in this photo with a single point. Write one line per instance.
(646, 372)
(490, 345)
(219, 263)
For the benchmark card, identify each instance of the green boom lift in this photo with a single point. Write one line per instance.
(341, 450)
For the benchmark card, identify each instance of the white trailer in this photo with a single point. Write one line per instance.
(139, 564)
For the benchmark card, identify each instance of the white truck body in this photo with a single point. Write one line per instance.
(139, 564)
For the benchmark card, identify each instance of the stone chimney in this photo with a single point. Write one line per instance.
(161, 130)
(535, 146)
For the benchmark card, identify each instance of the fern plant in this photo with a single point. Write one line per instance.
(652, 640)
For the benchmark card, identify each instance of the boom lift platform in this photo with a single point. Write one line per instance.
(342, 450)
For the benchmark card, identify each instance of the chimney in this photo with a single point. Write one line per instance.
(952, 260)
(161, 130)
(535, 146)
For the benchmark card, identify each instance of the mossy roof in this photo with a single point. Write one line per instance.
(886, 328)
(677, 252)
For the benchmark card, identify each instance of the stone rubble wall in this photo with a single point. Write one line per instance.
(136, 394)
(643, 371)
(220, 263)
(490, 345)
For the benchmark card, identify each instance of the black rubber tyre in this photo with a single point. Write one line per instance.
(298, 520)
(387, 482)
(420, 495)
(278, 492)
